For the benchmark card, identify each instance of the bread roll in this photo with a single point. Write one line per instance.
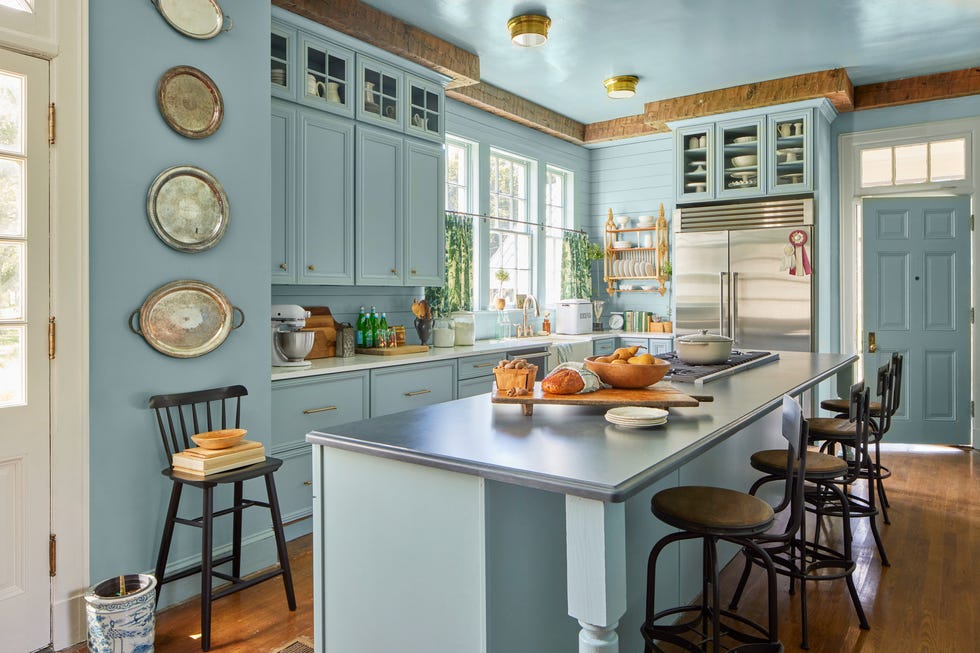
(563, 382)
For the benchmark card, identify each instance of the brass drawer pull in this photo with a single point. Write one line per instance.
(307, 482)
(417, 393)
(310, 411)
(484, 365)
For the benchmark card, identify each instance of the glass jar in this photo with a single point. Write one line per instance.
(465, 326)
(443, 334)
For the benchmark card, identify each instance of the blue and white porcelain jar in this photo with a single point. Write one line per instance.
(121, 614)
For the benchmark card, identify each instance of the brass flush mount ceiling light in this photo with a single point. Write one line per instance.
(529, 30)
(621, 86)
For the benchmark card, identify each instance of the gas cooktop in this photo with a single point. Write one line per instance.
(682, 372)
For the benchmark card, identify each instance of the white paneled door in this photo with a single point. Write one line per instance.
(917, 303)
(24, 376)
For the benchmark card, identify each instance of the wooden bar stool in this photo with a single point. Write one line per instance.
(712, 514)
(790, 552)
(882, 422)
(180, 416)
(852, 436)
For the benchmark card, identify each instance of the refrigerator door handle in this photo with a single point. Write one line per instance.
(734, 311)
(722, 303)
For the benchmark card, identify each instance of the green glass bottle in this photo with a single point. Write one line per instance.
(359, 328)
(383, 329)
(370, 328)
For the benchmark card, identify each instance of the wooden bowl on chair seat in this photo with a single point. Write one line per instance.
(219, 439)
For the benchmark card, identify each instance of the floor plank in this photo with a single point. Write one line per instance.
(926, 601)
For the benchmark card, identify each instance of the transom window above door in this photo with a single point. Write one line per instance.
(914, 163)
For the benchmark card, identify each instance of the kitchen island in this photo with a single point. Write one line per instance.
(468, 527)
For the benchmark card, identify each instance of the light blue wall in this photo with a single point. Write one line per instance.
(631, 178)
(130, 47)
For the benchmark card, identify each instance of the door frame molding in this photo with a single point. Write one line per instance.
(851, 195)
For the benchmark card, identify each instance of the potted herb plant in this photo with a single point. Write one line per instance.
(502, 276)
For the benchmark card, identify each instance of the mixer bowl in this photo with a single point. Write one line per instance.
(294, 345)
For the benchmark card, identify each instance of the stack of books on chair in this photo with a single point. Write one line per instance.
(198, 461)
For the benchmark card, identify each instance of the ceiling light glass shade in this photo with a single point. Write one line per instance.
(621, 86)
(529, 30)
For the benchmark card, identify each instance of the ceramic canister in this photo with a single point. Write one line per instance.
(122, 623)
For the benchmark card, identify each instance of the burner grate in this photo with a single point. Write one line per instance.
(685, 373)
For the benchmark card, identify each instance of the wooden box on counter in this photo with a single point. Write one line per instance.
(322, 324)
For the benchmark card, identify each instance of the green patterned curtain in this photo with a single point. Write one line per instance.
(576, 277)
(456, 294)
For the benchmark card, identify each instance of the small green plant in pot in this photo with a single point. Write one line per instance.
(502, 276)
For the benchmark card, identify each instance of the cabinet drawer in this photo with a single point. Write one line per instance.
(661, 346)
(412, 386)
(471, 387)
(473, 367)
(294, 483)
(302, 405)
(603, 347)
(635, 342)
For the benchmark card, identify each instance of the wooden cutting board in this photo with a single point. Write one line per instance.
(392, 351)
(322, 324)
(659, 395)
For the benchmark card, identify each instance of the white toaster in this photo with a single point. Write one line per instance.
(574, 316)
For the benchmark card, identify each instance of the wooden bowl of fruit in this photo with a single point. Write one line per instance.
(625, 368)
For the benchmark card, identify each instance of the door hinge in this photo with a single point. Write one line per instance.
(51, 124)
(52, 555)
(51, 338)
(973, 314)
(971, 222)
(972, 409)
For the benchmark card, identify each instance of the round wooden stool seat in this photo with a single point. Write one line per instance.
(831, 427)
(819, 466)
(843, 405)
(712, 510)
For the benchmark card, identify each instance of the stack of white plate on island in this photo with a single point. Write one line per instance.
(636, 417)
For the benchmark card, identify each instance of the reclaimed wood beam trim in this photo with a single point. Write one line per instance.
(925, 88)
(384, 31)
(834, 84)
(505, 104)
(620, 128)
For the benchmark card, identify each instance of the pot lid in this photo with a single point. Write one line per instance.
(704, 336)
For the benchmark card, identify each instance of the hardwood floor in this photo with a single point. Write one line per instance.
(925, 602)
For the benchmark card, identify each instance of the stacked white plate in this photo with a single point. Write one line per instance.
(636, 417)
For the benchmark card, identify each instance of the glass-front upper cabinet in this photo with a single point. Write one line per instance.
(425, 109)
(790, 157)
(381, 88)
(695, 174)
(281, 61)
(739, 157)
(328, 75)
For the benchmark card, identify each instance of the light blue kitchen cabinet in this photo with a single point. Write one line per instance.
(740, 149)
(790, 164)
(651, 345)
(381, 89)
(603, 346)
(294, 486)
(325, 199)
(394, 389)
(481, 366)
(283, 192)
(424, 230)
(426, 110)
(304, 404)
(379, 202)
(327, 72)
(695, 165)
(282, 60)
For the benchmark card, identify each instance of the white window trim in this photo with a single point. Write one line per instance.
(568, 220)
(472, 186)
(533, 215)
(850, 146)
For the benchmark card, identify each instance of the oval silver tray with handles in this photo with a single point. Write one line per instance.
(185, 318)
(198, 19)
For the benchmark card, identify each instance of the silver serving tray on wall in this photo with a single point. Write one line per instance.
(198, 19)
(190, 102)
(187, 208)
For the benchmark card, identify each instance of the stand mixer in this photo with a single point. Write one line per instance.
(290, 344)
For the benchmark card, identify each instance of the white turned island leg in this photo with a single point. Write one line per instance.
(596, 557)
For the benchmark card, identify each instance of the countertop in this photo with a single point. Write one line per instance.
(572, 449)
(366, 362)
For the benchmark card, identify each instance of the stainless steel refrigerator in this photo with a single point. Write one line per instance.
(738, 282)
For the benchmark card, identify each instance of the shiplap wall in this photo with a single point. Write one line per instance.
(633, 179)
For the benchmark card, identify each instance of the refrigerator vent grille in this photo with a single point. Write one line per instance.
(774, 213)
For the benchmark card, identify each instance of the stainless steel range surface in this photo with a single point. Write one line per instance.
(682, 372)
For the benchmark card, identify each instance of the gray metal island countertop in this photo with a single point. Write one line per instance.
(573, 450)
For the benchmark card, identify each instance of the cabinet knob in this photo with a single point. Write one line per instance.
(413, 270)
(282, 266)
(311, 267)
(394, 271)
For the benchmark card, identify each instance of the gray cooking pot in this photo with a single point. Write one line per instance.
(703, 348)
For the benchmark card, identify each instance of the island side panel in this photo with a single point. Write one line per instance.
(402, 549)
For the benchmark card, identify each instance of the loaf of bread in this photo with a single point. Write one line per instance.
(563, 382)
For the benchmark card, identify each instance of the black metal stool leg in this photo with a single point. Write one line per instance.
(236, 533)
(207, 524)
(168, 533)
(743, 579)
(848, 555)
(287, 576)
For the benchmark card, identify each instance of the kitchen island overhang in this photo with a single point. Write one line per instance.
(415, 512)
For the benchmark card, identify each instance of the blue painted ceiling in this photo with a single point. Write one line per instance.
(680, 47)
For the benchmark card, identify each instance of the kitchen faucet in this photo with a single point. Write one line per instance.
(525, 329)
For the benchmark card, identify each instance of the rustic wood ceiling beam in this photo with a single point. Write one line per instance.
(384, 31)
(512, 107)
(620, 128)
(925, 88)
(834, 85)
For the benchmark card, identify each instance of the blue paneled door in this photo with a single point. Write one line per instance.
(917, 302)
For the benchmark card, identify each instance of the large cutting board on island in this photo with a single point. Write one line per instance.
(658, 395)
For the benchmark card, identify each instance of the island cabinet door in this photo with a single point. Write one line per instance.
(405, 387)
(379, 203)
(326, 199)
(425, 226)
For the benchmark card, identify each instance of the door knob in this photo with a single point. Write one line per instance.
(311, 267)
(872, 345)
(394, 271)
(282, 266)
